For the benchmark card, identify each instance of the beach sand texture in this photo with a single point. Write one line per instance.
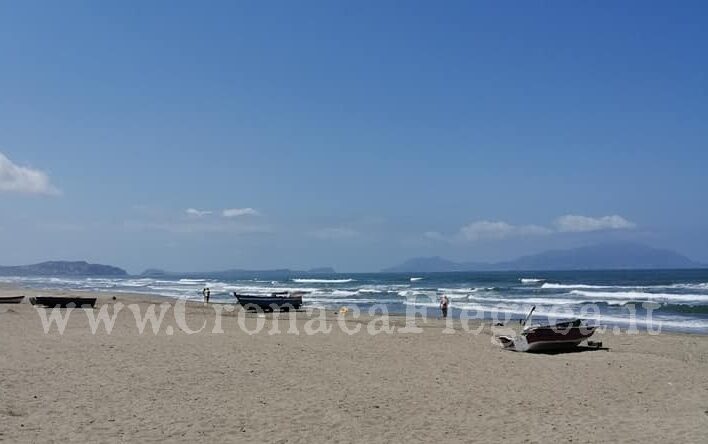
(427, 387)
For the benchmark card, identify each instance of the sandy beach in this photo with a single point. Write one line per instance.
(226, 385)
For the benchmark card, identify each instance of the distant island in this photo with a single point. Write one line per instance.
(62, 268)
(609, 256)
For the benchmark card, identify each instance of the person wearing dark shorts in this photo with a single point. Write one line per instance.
(444, 302)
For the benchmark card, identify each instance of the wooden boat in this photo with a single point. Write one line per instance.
(559, 336)
(63, 301)
(282, 301)
(11, 299)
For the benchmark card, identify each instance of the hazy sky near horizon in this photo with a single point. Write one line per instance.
(213, 135)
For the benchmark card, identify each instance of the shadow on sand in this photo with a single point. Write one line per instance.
(578, 349)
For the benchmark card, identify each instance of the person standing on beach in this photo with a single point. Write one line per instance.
(444, 302)
(208, 294)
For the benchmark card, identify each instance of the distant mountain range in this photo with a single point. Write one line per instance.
(621, 255)
(82, 268)
(62, 268)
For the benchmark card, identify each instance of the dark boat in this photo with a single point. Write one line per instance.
(282, 301)
(11, 299)
(63, 301)
(559, 336)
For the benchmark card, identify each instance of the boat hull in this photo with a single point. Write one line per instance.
(269, 303)
(553, 345)
(11, 299)
(63, 302)
(561, 336)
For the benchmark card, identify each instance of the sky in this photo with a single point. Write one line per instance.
(194, 136)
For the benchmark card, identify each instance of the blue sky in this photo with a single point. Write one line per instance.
(351, 134)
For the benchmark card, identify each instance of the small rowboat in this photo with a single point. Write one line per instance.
(283, 301)
(63, 301)
(559, 336)
(11, 299)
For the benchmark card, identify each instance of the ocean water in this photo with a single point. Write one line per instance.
(675, 300)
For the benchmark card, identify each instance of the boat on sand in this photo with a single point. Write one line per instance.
(559, 336)
(63, 301)
(282, 301)
(11, 299)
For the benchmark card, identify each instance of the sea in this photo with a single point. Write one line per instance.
(657, 300)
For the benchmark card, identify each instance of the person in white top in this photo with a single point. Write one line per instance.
(444, 302)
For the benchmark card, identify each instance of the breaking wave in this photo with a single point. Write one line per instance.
(641, 296)
(550, 285)
(323, 281)
(677, 298)
(555, 286)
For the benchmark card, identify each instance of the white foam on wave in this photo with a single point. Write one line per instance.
(137, 283)
(529, 281)
(534, 301)
(554, 286)
(460, 290)
(641, 296)
(432, 294)
(151, 293)
(699, 286)
(261, 281)
(497, 309)
(452, 293)
(341, 301)
(255, 289)
(343, 293)
(383, 288)
(550, 285)
(416, 279)
(657, 322)
(487, 299)
(671, 322)
(166, 288)
(322, 281)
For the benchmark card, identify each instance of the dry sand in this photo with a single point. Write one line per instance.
(427, 387)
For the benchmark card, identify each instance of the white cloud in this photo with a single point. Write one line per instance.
(578, 224)
(334, 233)
(497, 230)
(238, 212)
(18, 179)
(197, 213)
